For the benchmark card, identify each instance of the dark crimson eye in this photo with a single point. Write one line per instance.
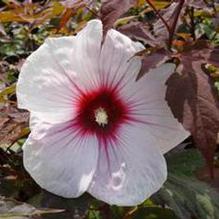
(101, 112)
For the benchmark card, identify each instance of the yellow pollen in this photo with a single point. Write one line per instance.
(101, 116)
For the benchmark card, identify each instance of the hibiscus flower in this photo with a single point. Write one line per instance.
(94, 127)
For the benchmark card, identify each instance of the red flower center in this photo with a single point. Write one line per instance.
(101, 112)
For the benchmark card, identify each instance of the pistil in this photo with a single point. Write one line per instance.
(101, 116)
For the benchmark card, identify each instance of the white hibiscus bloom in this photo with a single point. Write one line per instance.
(93, 127)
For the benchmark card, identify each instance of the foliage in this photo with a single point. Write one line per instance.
(186, 195)
(13, 209)
(184, 32)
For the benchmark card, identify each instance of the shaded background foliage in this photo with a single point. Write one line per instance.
(185, 32)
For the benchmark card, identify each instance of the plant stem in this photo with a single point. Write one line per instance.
(158, 14)
(173, 27)
(106, 211)
(192, 23)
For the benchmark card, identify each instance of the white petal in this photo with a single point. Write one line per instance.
(59, 159)
(129, 170)
(55, 74)
(117, 64)
(150, 108)
(83, 54)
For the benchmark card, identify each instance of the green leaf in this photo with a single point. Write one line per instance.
(184, 162)
(154, 213)
(189, 197)
(182, 192)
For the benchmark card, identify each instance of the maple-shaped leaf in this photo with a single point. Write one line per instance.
(213, 57)
(139, 31)
(152, 60)
(170, 15)
(75, 4)
(198, 4)
(71, 8)
(194, 101)
(13, 125)
(110, 11)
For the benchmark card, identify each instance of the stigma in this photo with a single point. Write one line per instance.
(101, 116)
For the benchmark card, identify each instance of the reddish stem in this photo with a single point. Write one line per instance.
(106, 211)
(158, 14)
(173, 27)
(192, 23)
